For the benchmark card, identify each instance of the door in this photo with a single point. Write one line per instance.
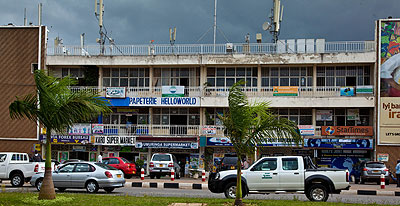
(81, 172)
(264, 175)
(3, 167)
(291, 176)
(62, 177)
(114, 162)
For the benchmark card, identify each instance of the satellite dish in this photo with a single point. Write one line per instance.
(266, 26)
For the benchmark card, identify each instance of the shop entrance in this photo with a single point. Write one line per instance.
(181, 158)
(176, 122)
(79, 155)
(128, 155)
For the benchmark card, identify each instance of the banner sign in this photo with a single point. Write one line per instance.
(173, 91)
(369, 89)
(324, 115)
(347, 130)
(97, 128)
(170, 145)
(225, 141)
(66, 139)
(113, 140)
(306, 130)
(383, 157)
(285, 91)
(164, 101)
(80, 129)
(115, 92)
(338, 143)
(209, 130)
(347, 91)
(353, 114)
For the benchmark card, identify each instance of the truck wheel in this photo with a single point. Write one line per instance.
(317, 193)
(17, 180)
(152, 176)
(230, 191)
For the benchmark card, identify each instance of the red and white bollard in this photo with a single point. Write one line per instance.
(142, 174)
(203, 175)
(382, 181)
(172, 174)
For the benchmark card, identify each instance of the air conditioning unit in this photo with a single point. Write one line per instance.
(229, 47)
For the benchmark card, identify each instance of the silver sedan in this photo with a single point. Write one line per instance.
(89, 175)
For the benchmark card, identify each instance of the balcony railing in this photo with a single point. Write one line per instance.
(158, 130)
(219, 91)
(190, 49)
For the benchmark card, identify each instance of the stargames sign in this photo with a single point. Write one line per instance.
(347, 130)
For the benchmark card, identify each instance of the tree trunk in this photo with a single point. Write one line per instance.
(238, 199)
(47, 191)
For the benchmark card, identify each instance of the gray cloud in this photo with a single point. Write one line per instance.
(139, 21)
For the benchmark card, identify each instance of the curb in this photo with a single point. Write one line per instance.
(168, 185)
(370, 192)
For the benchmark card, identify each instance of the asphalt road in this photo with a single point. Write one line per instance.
(364, 199)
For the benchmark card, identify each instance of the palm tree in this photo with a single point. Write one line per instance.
(56, 108)
(248, 124)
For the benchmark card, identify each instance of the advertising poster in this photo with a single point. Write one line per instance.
(306, 130)
(97, 128)
(353, 114)
(389, 87)
(80, 129)
(347, 130)
(285, 91)
(324, 115)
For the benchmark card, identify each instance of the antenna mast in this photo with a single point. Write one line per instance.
(215, 22)
(275, 20)
(98, 11)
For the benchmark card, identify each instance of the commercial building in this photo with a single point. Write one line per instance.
(167, 98)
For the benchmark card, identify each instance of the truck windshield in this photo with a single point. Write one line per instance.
(3, 157)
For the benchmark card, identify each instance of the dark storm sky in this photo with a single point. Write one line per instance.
(139, 21)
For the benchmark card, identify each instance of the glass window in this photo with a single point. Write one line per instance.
(266, 165)
(82, 168)
(67, 168)
(3, 157)
(106, 82)
(113, 161)
(211, 72)
(124, 72)
(115, 72)
(284, 72)
(221, 72)
(290, 164)
(230, 72)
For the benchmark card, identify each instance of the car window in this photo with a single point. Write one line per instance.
(67, 168)
(125, 160)
(230, 160)
(113, 161)
(3, 157)
(161, 158)
(375, 165)
(104, 166)
(83, 168)
(266, 165)
(290, 164)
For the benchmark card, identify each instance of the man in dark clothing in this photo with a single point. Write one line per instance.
(37, 157)
(398, 173)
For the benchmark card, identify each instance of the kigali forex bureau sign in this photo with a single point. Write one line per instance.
(347, 130)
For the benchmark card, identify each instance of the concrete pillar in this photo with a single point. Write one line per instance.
(259, 78)
(150, 123)
(148, 160)
(151, 75)
(203, 78)
(314, 78)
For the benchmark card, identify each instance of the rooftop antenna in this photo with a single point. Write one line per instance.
(215, 23)
(40, 14)
(275, 20)
(98, 11)
(25, 20)
(172, 37)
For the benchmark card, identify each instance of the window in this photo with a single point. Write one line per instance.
(126, 77)
(3, 157)
(226, 77)
(286, 76)
(161, 158)
(113, 161)
(348, 117)
(343, 75)
(67, 168)
(299, 116)
(83, 168)
(290, 164)
(167, 116)
(266, 165)
(188, 77)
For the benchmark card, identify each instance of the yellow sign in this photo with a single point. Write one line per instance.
(389, 128)
(38, 147)
(286, 91)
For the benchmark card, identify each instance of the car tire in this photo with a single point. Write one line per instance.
(362, 181)
(92, 186)
(230, 191)
(38, 184)
(158, 176)
(178, 176)
(317, 193)
(127, 176)
(17, 180)
(61, 189)
(386, 182)
(152, 176)
(109, 189)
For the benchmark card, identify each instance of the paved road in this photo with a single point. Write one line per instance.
(392, 200)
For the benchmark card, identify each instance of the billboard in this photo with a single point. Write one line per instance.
(389, 78)
(347, 130)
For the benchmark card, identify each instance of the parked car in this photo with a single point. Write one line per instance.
(128, 167)
(89, 175)
(285, 173)
(371, 172)
(162, 164)
(16, 167)
(227, 163)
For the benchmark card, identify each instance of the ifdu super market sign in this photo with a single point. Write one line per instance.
(113, 140)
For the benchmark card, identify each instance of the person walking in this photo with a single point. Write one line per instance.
(100, 157)
(246, 163)
(398, 173)
(37, 157)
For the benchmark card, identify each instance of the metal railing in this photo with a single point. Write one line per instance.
(190, 49)
(325, 91)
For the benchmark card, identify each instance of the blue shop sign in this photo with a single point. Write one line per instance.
(347, 91)
(338, 143)
(67, 139)
(155, 101)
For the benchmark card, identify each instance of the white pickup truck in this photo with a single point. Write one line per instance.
(17, 168)
(282, 174)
